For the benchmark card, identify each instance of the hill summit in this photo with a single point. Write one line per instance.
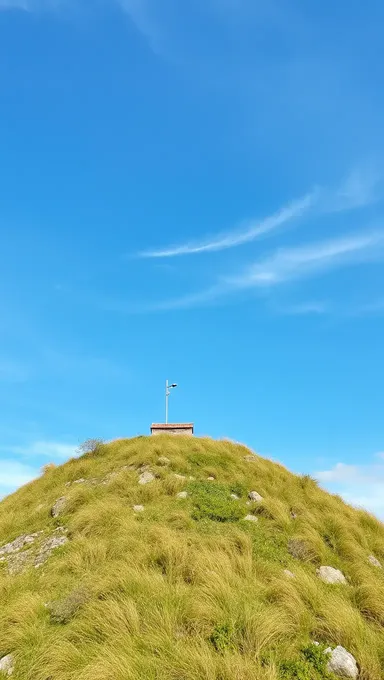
(177, 558)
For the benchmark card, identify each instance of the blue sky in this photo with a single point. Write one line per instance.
(195, 191)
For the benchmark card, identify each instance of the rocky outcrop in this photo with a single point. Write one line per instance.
(18, 543)
(49, 545)
(18, 559)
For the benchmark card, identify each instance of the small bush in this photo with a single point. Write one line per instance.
(62, 611)
(213, 501)
(302, 550)
(91, 446)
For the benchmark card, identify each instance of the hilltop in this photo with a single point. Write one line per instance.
(178, 558)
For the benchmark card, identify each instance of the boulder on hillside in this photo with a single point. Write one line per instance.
(146, 477)
(182, 494)
(373, 560)
(250, 518)
(7, 665)
(58, 507)
(254, 496)
(331, 575)
(342, 663)
(138, 508)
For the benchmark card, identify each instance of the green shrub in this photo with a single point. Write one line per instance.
(222, 637)
(213, 501)
(312, 665)
(239, 489)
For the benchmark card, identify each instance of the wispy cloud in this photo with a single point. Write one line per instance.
(44, 449)
(14, 474)
(360, 485)
(289, 264)
(239, 236)
(361, 188)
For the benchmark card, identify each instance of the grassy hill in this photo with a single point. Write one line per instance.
(181, 586)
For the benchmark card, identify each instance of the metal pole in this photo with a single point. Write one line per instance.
(166, 401)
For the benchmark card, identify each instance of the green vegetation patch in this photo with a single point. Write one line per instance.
(213, 501)
(311, 665)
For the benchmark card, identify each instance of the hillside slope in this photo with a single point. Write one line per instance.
(136, 561)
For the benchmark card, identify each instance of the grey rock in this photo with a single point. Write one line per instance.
(179, 476)
(250, 518)
(18, 561)
(211, 479)
(7, 665)
(109, 477)
(254, 496)
(138, 508)
(251, 458)
(331, 575)
(342, 663)
(289, 574)
(48, 546)
(375, 562)
(293, 515)
(146, 477)
(182, 494)
(79, 481)
(19, 543)
(234, 496)
(59, 506)
(163, 460)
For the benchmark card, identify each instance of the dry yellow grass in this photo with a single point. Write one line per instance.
(187, 590)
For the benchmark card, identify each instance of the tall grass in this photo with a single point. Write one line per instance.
(187, 590)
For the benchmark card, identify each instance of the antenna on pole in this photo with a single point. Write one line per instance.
(168, 389)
